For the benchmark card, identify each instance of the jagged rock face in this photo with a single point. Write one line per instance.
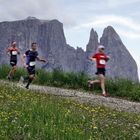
(91, 49)
(121, 64)
(50, 38)
(93, 42)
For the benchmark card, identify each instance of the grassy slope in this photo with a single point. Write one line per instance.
(26, 115)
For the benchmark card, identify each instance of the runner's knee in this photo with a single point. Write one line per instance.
(31, 77)
(14, 68)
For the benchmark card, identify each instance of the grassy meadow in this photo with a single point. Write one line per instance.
(25, 115)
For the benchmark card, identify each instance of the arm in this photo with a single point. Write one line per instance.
(93, 58)
(40, 59)
(107, 58)
(8, 50)
(18, 51)
(23, 60)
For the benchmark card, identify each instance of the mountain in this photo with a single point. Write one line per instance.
(52, 44)
(90, 67)
(122, 63)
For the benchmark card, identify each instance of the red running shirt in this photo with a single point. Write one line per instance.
(101, 59)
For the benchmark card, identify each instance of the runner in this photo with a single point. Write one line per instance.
(101, 58)
(13, 51)
(29, 61)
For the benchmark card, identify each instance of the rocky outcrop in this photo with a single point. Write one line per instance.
(52, 45)
(91, 49)
(121, 63)
(51, 41)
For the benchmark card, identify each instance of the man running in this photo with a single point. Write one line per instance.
(13, 51)
(101, 58)
(29, 61)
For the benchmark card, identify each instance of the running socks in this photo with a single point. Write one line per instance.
(29, 82)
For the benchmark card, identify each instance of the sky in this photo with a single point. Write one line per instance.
(79, 16)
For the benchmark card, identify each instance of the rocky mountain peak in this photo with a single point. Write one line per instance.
(93, 42)
(90, 50)
(93, 35)
(31, 18)
(110, 34)
(122, 64)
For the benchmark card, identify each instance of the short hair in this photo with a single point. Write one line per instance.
(33, 43)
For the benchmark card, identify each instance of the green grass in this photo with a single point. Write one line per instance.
(25, 115)
(121, 88)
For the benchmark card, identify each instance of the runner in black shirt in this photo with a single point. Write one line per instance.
(29, 60)
(13, 51)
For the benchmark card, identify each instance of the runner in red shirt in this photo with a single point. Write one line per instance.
(13, 51)
(101, 58)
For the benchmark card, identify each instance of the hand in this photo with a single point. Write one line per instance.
(25, 65)
(108, 57)
(8, 54)
(90, 58)
(43, 60)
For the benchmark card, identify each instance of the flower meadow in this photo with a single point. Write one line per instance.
(28, 115)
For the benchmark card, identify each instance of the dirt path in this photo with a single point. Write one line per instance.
(84, 97)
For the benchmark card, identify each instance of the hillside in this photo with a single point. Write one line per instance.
(30, 115)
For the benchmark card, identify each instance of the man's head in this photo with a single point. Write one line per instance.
(34, 46)
(14, 43)
(101, 48)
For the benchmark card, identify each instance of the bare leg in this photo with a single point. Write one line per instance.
(102, 80)
(12, 72)
(31, 78)
(94, 81)
(91, 84)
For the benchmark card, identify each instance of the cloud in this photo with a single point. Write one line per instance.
(18, 9)
(136, 14)
(125, 26)
(45, 9)
(129, 34)
(69, 12)
(116, 3)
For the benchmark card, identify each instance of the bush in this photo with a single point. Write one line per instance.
(124, 88)
(4, 69)
(117, 88)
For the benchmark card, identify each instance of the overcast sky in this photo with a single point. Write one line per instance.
(79, 16)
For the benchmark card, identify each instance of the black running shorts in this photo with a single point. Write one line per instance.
(100, 71)
(31, 70)
(13, 63)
